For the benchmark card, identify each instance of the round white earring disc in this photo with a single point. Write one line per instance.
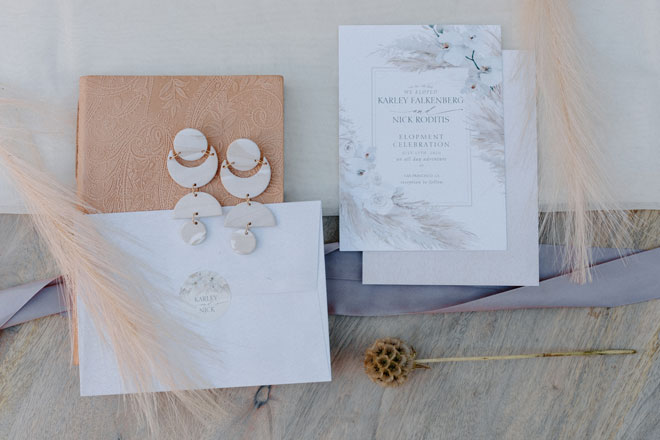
(243, 242)
(190, 144)
(193, 232)
(243, 154)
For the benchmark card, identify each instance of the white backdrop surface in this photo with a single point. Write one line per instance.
(47, 45)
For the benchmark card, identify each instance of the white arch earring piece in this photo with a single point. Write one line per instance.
(253, 212)
(195, 204)
(246, 214)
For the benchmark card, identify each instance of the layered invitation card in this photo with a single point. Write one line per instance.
(518, 265)
(421, 138)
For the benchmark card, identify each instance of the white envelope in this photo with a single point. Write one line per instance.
(518, 265)
(275, 330)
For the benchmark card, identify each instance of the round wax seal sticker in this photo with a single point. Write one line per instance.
(208, 294)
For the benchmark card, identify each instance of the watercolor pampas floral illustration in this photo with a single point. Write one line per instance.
(373, 211)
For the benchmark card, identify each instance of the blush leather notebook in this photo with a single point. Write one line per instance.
(127, 124)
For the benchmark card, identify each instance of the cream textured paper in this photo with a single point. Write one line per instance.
(47, 46)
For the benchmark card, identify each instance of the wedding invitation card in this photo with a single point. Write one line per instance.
(421, 138)
(518, 265)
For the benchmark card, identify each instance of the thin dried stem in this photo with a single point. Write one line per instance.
(527, 356)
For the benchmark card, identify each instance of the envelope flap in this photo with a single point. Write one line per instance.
(285, 260)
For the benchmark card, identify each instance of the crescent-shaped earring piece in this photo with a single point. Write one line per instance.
(191, 177)
(245, 187)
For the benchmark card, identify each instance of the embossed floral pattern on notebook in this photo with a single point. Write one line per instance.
(126, 126)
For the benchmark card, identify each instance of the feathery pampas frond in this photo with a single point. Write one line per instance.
(150, 346)
(568, 139)
(487, 129)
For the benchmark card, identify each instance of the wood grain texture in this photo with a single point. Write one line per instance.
(23, 257)
(565, 398)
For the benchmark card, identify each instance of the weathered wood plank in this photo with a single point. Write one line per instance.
(603, 397)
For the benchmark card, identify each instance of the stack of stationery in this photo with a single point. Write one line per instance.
(149, 150)
(437, 144)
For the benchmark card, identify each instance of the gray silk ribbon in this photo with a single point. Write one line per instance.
(616, 281)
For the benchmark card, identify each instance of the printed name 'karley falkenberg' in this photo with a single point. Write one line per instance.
(419, 100)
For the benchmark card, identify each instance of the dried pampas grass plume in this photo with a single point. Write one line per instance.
(568, 139)
(150, 346)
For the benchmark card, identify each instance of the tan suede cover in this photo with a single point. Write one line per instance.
(126, 126)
